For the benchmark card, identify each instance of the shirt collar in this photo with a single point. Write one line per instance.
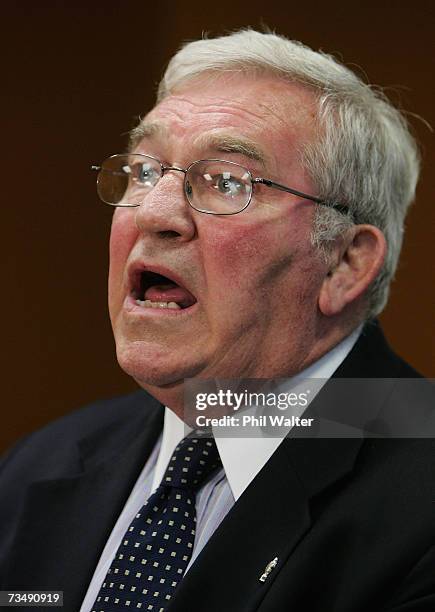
(243, 458)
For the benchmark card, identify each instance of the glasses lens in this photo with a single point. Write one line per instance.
(124, 180)
(218, 187)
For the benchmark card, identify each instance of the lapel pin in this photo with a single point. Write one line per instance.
(269, 567)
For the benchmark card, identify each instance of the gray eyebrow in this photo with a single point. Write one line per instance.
(226, 143)
(146, 129)
(223, 143)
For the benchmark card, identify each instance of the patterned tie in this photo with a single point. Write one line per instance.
(156, 549)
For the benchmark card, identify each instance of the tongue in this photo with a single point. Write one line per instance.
(170, 293)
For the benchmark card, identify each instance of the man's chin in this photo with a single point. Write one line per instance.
(161, 376)
(151, 376)
(150, 363)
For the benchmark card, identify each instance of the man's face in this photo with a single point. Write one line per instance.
(254, 276)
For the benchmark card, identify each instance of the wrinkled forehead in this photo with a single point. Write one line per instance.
(256, 116)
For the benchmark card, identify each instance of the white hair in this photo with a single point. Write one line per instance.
(365, 156)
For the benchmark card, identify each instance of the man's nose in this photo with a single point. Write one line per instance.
(165, 212)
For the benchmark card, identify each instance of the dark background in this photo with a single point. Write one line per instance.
(75, 77)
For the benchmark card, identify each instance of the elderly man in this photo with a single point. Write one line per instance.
(258, 223)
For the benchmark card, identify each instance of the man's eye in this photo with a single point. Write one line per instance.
(226, 184)
(145, 174)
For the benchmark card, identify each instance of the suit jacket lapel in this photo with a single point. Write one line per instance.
(267, 522)
(80, 510)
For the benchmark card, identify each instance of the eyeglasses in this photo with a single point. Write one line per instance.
(212, 186)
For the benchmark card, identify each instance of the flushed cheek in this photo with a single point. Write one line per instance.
(124, 231)
(247, 257)
(122, 238)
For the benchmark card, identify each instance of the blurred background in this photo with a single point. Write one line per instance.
(75, 78)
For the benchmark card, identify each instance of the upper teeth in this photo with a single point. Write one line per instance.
(150, 304)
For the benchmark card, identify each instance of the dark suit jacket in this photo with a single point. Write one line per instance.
(352, 521)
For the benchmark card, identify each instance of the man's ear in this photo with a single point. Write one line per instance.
(356, 264)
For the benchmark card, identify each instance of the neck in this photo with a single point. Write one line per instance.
(326, 340)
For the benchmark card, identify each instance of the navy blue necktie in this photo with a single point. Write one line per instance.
(157, 547)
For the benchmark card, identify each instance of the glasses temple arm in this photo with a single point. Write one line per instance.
(340, 207)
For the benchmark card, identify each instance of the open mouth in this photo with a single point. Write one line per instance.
(153, 290)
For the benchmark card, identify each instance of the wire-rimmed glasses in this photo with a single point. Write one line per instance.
(212, 186)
